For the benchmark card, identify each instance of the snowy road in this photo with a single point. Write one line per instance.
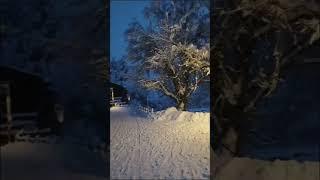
(171, 148)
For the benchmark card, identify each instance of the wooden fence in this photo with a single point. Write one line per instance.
(145, 109)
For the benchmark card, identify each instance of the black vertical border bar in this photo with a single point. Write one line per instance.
(211, 10)
(107, 40)
(1, 162)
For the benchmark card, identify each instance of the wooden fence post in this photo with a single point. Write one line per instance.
(112, 94)
(5, 87)
(9, 115)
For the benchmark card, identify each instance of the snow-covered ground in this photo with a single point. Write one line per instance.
(42, 161)
(247, 169)
(168, 144)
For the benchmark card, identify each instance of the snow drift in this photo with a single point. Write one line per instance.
(246, 168)
(172, 114)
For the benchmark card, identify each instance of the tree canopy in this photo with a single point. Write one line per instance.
(173, 50)
(254, 43)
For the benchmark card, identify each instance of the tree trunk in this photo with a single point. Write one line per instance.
(226, 153)
(182, 104)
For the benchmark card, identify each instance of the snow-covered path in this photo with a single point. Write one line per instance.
(171, 148)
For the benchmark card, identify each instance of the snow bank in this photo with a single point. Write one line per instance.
(245, 168)
(32, 161)
(172, 114)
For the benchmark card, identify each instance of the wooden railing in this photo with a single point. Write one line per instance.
(117, 101)
(145, 109)
(23, 124)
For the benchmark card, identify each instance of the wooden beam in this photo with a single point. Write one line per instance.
(312, 60)
(112, 94)
(5, 92)
(20, 115)
(8, 104)
(19, 123)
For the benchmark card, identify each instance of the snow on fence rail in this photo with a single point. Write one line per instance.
(17, 123)
(26, 136)
(145, 109)
(24, 115)
(118, 103)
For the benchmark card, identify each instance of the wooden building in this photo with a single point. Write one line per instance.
(118, 95)
(26, 97)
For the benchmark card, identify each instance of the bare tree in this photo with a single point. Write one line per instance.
(174, 55)
(254, 42)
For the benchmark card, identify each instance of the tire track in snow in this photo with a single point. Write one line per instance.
(139, 147)
(169, 154)
(124, 146)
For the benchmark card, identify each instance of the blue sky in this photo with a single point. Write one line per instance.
(122, 13)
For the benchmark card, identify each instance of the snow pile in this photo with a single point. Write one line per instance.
(169, 144)
(245, 168)
(172, 114)
(165, 115)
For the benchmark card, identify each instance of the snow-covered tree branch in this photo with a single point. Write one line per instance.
(173, 50)
(254, 45)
